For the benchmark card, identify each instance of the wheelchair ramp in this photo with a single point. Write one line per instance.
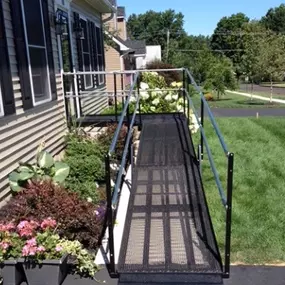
(168, 237)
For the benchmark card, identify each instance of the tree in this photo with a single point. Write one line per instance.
(252, 39)
(221, 76)
(154, 28)
(275, 19)
(227, 37)
(271, 59)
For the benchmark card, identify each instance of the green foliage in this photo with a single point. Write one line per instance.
(227, 37)
(85, 157)
(275, 19)
(221, 76)
(169, 76)
(154, 80)
(153, 26)
(85, 265)
(45, 168)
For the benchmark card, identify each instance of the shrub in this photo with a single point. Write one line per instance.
(85, 157)
(77, 219)
(169, 76)
(106, 137)
(209, 97)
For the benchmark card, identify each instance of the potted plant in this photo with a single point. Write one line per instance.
(43, 260)
(10, 249)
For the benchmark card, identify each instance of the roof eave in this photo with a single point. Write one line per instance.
(102, 6)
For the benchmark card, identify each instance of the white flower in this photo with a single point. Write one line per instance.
(181, 101)
(179, 108)
(168, 97)
(96, 185)
(114, 166)
(89, 199)
(179, 84)
(144, 86)
(112, 183)
(155, 102)
(173, 84)
(175, 97)
(158, 91)
(152, 108)
(133, 99)
(154, 73)
(96, 212)
(144, 95)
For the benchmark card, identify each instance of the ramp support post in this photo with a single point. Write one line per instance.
(229, 215)
(111, 265)
(202, 124)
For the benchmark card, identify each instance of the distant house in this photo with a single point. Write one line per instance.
(38, 40)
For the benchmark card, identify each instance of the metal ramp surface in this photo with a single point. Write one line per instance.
(168, 235)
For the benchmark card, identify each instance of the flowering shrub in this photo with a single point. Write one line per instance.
(154, 99)
(38, 241)
(77, 219)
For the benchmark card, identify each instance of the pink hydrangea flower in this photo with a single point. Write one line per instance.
(4, 245)
(26, 250)
(27, 228)
(58, 248)
(41, 249)
(48, 223)
(31, 242)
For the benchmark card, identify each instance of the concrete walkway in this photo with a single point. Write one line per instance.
(281, 101)
(250, 112)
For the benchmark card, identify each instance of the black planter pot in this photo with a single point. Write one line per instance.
(12, 273)
(49, 272)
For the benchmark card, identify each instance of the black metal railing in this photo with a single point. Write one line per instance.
(129, 118)
(225, 198)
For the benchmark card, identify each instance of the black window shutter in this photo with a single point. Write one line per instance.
(5, 71)
(93, 50)
(49, 48)
(21, 53)
(79, 49)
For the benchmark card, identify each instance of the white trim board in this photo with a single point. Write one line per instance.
(102, 256)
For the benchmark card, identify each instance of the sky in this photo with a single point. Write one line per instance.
(202, 16)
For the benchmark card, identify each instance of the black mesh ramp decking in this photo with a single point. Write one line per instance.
(168, 228)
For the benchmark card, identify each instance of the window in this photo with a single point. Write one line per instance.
(100, 54)
(7, 101)
(86, 54)
(36, 51)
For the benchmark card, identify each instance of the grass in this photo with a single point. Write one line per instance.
(258, 225)
(237, 101)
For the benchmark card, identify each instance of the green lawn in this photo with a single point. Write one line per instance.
(258, 226)
(237, 101)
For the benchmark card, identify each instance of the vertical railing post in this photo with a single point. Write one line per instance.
(189, 104)
(138, 98)
(109, 213)
(202, 125)
(115, 93)
(122, 89)
(229, 215)
(184, 94)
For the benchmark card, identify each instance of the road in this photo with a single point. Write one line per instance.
(262, 89)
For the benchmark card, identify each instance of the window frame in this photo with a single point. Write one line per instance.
(101, 77)
(28, 46)
(87, 37)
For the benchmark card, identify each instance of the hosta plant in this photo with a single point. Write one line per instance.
(45, 168)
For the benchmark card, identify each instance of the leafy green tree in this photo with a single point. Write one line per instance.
(221, 76)
(154, 27)
(271, 59)
(275, 19)
(227, 37)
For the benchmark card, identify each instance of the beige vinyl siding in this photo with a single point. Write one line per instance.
(112, 63)
(95, 102)
(122, 30)
(21, 133)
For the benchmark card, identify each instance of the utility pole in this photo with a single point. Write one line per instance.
(167, 44)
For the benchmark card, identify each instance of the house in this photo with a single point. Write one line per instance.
(118, 53)
(38, 40)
